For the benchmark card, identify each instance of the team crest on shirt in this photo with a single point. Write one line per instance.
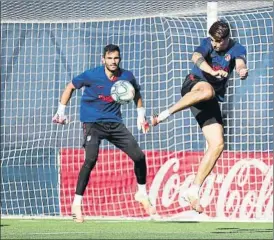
(227, 57)
(88, 138)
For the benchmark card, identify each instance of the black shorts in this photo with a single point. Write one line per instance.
(207, 112)
(116, 133)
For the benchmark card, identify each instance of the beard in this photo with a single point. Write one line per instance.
(113, 71)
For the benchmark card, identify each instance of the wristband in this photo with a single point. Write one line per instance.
(141, 111)
(61, 109)
(163, 115)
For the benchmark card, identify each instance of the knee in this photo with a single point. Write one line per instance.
(134, 151)
(91, 155)
(139, 157)
(90, 160)
(89, 164)
(207, 93)
(217, 147)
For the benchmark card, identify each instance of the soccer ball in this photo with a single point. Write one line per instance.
(122, 92)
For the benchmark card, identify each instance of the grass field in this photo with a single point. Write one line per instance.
(91, 229)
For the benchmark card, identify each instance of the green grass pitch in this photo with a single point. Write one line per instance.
(93, 229)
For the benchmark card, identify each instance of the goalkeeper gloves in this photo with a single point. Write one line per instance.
(60, 116)
(157, 118)
(142, 124)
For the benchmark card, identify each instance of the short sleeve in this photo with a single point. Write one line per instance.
(134, 82)
(204, 47)
(240, 52)
(136, 85)
(80, 80)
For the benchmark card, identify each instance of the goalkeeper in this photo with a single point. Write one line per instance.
(214, 61)
(101, 118)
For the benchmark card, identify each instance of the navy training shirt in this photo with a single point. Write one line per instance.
(223, 60)
(97, 104)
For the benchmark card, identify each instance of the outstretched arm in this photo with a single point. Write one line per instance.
(67, 94)
(60, 117)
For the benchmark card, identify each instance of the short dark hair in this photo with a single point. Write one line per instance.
(219, 30)
(111, 48)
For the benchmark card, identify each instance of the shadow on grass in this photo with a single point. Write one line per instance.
(165, 222)
(242, 230)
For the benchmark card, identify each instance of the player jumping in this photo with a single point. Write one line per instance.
(206, 84)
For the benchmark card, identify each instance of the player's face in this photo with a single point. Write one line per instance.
(219, 45)
(111, 61)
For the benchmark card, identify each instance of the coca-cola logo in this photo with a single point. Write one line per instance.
(244, 191)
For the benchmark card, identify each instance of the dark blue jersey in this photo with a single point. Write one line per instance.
(224, 60)
(96, 104)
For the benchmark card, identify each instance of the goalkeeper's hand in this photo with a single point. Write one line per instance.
(157, 118)
(60, 116)
(243, 73)
(142, 124)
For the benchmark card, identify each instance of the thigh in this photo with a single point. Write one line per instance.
(122, 138)
(207, 112)
(189, 82)
(214, 134)
(91, 135)
(91, 141)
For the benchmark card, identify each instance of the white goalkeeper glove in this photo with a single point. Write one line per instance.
(60, 116)
(142, 124)
(157, 118)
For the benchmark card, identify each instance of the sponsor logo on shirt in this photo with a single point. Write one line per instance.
(216, 68)
(105, 98)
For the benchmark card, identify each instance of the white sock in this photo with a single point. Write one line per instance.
(142, 189)
(77, 199)
(195, 188)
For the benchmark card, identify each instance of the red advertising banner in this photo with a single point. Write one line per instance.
(239, 187)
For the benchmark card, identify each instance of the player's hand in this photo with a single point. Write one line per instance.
(157, 118)
(219, 73)
(142, 124)
(60, 116)
(60, 119)
(243, 73)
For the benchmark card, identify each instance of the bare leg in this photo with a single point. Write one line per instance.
(214, 136)
(202, 91)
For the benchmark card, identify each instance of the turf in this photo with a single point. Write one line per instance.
(91, 229)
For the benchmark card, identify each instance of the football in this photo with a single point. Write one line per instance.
(122, 92)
